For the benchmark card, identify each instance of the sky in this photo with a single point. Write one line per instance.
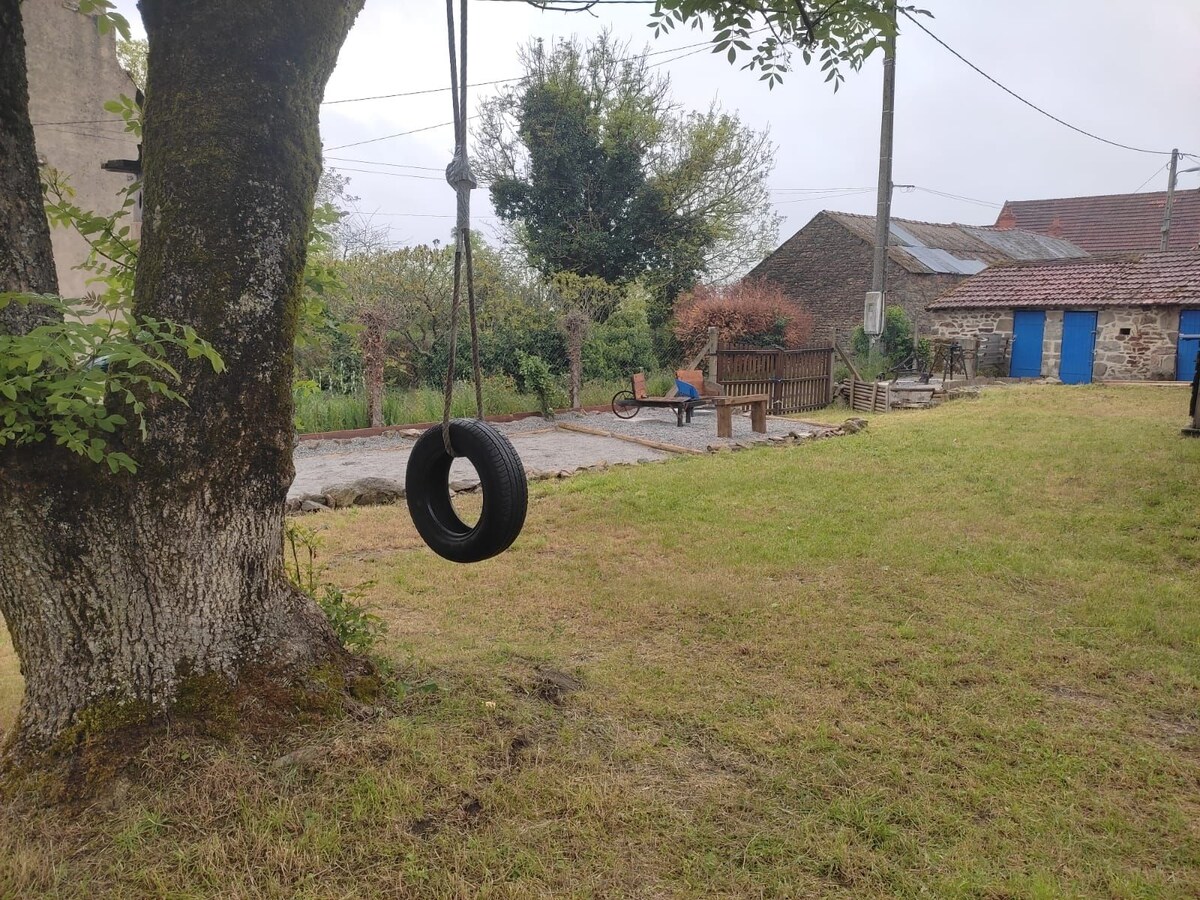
(1127, 72)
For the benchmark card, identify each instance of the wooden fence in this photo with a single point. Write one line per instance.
(795, 380)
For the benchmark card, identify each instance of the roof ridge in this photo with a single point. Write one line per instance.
(1162, 194)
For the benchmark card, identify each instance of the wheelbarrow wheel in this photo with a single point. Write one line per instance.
(501, 478)
(624, 405)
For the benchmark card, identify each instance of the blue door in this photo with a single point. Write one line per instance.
(1078, 347)
(1189, 344)
(1029, 325)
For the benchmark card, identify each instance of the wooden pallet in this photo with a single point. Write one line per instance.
(870, 396)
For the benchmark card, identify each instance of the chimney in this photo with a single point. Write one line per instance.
(1007, 220)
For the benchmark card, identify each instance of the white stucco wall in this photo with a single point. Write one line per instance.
(73, 71)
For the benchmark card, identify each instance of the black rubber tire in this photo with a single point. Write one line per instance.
(501, 478)
(622, 404)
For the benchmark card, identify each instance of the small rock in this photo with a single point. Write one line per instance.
(365, 492)
(462, 485)
(411, 433)
(304, 758)
(291, 506)
(312, 506)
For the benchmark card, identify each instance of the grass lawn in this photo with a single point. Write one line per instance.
(957, 655)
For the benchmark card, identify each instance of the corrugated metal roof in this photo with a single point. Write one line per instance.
(1136, 279)
(934, 248)
(944, 261)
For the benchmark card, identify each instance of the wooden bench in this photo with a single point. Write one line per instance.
(710, 396)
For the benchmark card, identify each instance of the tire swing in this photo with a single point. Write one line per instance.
(501, 475)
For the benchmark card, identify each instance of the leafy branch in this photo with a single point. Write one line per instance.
(76, 382)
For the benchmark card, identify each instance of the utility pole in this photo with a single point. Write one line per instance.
(873, 310)
(1166, 225)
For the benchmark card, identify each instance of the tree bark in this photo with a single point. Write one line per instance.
(575, 327)
(374, 348)
(117, 588)
(26, 257)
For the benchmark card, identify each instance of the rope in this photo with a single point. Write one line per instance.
(459, 177)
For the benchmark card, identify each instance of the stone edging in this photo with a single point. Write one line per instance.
(375, 491)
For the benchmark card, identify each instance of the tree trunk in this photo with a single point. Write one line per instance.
(374, 347)
(26, 258)
(575, 326)
(117, 588)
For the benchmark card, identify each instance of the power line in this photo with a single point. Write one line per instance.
(368, 216)
(649, 53)
(389, 174)
(957, 197)
(378, 162)
(1029, 103)
(829, 197)
(387, 137)
(436, 90)
(1151, 178)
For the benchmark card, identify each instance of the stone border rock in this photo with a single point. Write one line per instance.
(375, 491)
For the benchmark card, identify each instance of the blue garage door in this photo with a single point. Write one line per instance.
(1189, 344)
(1029, 325)
(1078, 347)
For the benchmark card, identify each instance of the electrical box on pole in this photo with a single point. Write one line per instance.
(873, 314)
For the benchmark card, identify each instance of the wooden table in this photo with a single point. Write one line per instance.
(725, 405)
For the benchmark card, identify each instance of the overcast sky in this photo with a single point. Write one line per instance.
(1127, 71)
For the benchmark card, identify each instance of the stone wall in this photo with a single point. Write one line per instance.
(948, 323)
(73, 71)
(1145, 352)
(1052, 343)
(826, 269)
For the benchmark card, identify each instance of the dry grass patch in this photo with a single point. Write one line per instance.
(957, 655)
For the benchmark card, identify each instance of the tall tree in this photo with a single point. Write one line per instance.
(115, 588)
(602, 174)
(396, 298)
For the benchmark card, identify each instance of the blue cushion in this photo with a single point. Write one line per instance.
(686, 390)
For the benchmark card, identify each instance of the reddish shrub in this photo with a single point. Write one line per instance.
(749, 312)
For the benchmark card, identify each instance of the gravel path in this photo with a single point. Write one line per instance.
(543, 448)
(700, 434)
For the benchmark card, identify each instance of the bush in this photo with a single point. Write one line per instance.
(749, 312)
(895, 344)
(619, 347)
(355, 626)
(537, 379)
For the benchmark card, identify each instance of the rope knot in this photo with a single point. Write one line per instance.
(458, 173)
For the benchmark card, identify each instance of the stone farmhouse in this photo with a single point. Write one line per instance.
(1130, 312)
(73, 71)
(825, 267)
(1130, 316)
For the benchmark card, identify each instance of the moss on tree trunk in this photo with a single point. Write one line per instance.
(117, 588)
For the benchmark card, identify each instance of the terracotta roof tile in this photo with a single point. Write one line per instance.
(1132, 279)
(1110, 223)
